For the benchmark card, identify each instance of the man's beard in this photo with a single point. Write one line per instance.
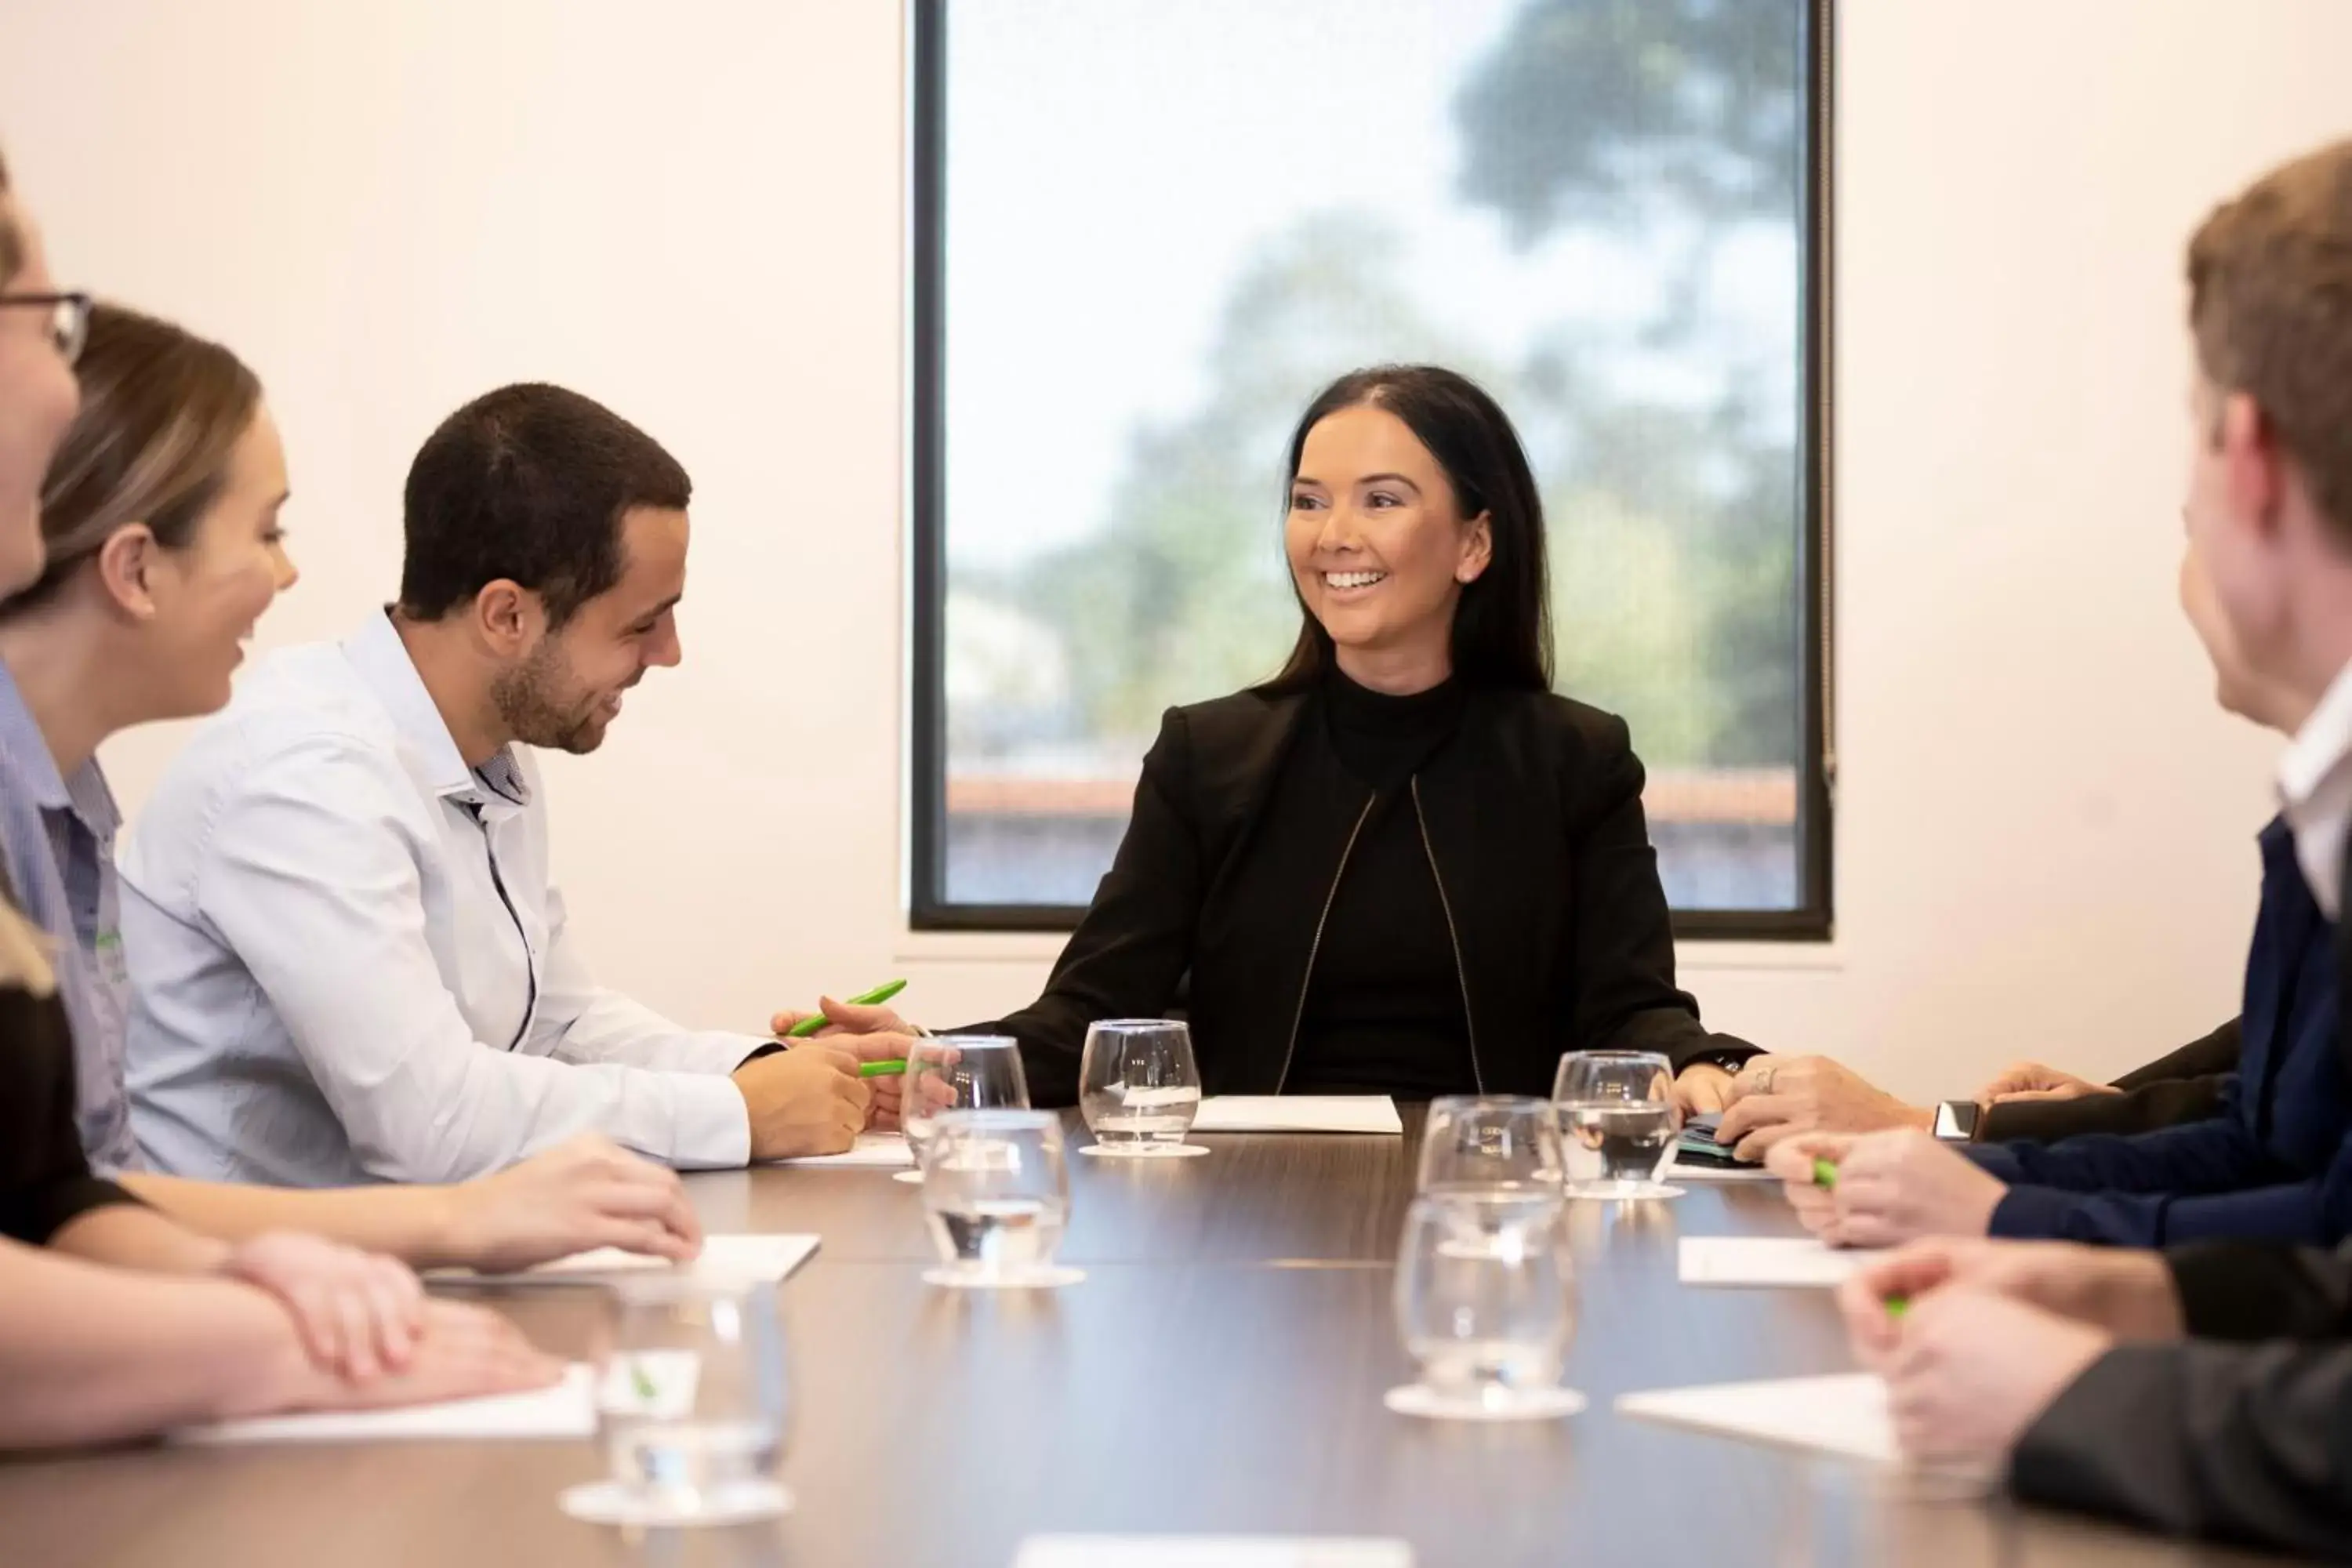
(539, 706)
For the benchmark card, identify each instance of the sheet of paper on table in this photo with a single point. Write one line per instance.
(1843, 1415)
(563, 1410)
(1796, 1260)
(744, 1259)
(879, 1150)
(1686, 1171)
(1210, 1551)
(1298, 1113)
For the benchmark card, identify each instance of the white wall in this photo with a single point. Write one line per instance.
(694, 212)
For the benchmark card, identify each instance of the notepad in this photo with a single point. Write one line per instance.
(1789, 1261)
(745, 1259)
(1843, 1415)
(1298, 1113)
(1683, 1171)
(880, 1150)
(1210, 1551)
(563, 1410)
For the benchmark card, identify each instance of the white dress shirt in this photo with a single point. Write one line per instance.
(348, 961)
(2315, 786)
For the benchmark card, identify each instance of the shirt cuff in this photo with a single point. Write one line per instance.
(34, 1216)
(711, 1126)
(2032, 1212)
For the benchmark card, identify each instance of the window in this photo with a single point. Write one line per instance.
(1146, 232)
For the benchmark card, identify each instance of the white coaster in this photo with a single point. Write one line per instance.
(1435, 1404)
(1654, 1194)
(610, 1502)
(916, 1177)
(1144, 1151)
(1047, 1278)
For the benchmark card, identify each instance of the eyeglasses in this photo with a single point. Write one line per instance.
(69, 318)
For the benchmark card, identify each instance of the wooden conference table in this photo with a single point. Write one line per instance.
(1220, 1370)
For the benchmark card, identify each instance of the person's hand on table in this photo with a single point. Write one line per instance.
(1891, 1187)
(1776, 1098)
(2031, 1081)
(358, 1314)
(2127, 1291)
(876, 1034)
(1700, 1087)
(589, 1191)
(807, 1100)
(1967, 1372)
(462, 1351)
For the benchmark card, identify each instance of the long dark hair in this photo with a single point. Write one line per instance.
(1501, 625)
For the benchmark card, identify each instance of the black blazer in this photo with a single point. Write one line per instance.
(1532, 814)
(2186, 1086)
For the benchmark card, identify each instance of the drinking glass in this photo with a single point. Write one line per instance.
(1138, 1086)
(1486, 1301)
(1618, 1123)
(691, 1402)
(958, 1072)
(1492, 1143)
(996, 1192)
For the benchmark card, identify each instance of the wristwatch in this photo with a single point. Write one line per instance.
(1955, 1120)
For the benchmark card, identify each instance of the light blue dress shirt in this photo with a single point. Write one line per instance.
(59, 836)
(348, 961)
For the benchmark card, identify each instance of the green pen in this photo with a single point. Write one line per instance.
(891, 1068)
(1826, 1174)
(1895, 1307)
(874, 998)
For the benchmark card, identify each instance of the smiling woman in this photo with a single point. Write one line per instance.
(1404, 866)
(160, 514)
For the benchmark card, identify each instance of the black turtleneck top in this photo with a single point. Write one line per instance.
(1384, 1005)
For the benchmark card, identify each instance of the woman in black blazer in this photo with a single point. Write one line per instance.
(1403, 866)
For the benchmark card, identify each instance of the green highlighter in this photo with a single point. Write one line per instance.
(1825, 1174)
(874, 998)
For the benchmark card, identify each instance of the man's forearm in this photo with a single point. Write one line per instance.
(90, 1354)
(412, 1224)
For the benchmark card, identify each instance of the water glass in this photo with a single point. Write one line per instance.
(1492, 1143)
(959, 1072)
(691, 1401)
(1138, 1086)
(1618, 1123)
(996, 1194)
(1486, 1301)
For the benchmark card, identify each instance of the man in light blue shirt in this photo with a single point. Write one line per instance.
(349, 959)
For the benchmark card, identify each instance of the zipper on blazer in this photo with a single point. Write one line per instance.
(1330, 894)
(1462, 975)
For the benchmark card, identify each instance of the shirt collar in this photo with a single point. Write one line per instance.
(85, 794)
(382, 659)
(2319, 746)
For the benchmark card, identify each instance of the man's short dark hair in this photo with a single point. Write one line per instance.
(529, 483)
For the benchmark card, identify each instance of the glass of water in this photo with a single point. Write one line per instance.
(1138, 1086)
(1486, 1301)
(1499, 1142)
(691, 1401)
(959, 1072)
(1618, 1123)
(996, 1193)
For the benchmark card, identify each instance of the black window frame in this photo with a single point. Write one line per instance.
(928, 908)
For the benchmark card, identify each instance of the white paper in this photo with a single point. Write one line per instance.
(746, 1259)
(565, 1409)
(1298, 1113)
(1681, 1171)
(1210, 1551)
(1765, 1260)
(1844, 1415)
(881, 1151)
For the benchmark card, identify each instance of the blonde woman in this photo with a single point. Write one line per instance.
(114, 1318)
